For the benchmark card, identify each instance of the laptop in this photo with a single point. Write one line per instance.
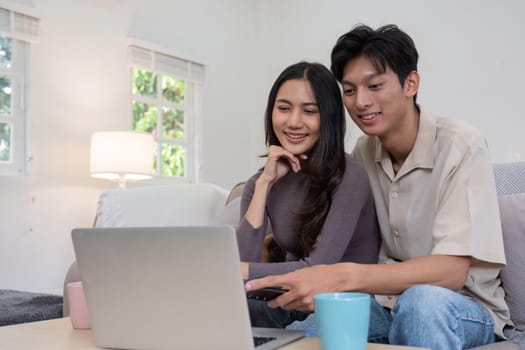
(168, 288)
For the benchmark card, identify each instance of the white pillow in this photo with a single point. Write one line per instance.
(176, 205)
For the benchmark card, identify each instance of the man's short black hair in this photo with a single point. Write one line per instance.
(385, 47)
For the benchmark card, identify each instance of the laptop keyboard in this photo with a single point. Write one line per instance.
(261, 340)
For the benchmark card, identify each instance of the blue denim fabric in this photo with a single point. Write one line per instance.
(425, 316)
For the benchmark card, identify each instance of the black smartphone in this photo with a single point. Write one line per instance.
(266, 294)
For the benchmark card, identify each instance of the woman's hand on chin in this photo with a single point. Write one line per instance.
(279, 162)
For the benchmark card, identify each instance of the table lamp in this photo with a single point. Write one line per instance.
(121, 156)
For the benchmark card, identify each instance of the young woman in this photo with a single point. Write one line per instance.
(316, 198)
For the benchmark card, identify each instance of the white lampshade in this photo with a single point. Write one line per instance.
(121, 155)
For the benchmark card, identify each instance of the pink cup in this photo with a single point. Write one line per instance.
(78, 312)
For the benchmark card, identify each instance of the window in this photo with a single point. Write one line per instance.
(165, 91)
(16, 31)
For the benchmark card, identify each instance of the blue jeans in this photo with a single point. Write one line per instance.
(425, 316)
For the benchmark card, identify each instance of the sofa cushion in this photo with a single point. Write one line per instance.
(229, 214)
(174, 205)
(512, 210)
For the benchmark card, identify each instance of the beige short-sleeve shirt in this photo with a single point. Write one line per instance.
(442, 201)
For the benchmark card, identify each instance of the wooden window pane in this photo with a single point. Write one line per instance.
(173, 90)
(172, 123)
(6, 51)
(173, 159)
(5, 142)
(144, 117)
(5, 95)
(144, 83)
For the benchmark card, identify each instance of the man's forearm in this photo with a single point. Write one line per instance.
(391, 279)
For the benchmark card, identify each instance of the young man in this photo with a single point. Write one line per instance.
(436, 203)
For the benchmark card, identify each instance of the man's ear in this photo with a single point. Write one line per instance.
(411, 84)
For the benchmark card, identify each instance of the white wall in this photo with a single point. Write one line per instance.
(471, 65)
(472, 54)
(217, 33)
(80, 84)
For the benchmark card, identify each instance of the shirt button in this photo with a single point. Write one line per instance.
(396, 233)
(394, 195)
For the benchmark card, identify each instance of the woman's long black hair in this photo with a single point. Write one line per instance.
(326, 161)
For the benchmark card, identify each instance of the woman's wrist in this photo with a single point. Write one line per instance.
(245, 270)
(255, 213)
(263, 183)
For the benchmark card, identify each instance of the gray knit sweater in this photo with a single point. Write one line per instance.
(350, 232)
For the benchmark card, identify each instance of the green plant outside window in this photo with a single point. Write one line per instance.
(5, 142)
(5, 95)
(6, 52)
(168, 127)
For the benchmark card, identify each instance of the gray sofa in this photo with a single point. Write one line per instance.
(510, 183)
(174, 205)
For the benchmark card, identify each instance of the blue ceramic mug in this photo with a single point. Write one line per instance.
(342, 320)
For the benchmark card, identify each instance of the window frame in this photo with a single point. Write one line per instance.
(18, 74)
(22, 26)
(193, 91)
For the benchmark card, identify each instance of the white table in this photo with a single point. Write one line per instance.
(58, 334)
